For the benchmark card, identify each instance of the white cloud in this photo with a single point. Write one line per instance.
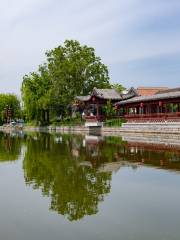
(30, 27)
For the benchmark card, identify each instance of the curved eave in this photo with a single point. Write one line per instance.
(156, 97)
(83, 98)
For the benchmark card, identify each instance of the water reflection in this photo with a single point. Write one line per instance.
(159, 156)
(75, 171)
(10, 147)
(53, 165)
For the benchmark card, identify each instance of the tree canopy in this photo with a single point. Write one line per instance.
(71, 69)
(9, 101)
(118, 87)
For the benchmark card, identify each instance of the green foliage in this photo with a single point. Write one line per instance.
(10, 147)
(12, 101)
(70, 70)
(74, 171)
(118, 87)
(36, 93)
(68, 121)
(75, 70)
(109, 109)
(51, 164)
(114, 122)
(114, 141)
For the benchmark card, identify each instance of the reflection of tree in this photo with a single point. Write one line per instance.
(75, 190)
(76, 175)
(10, 147)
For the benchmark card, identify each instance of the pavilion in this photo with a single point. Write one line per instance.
(159, 107)
(151, 103)
(93, 104)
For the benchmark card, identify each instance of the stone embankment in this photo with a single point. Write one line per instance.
(151, 128)
(156, 127)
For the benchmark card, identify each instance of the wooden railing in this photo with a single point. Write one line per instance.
(133, 117)
(154, 116)
(99, 118)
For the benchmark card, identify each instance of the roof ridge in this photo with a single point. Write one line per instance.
(155, 97)
(152, 87)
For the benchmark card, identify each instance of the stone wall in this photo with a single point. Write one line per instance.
(165, 127)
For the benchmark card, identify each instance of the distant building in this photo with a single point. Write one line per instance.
(147, 91)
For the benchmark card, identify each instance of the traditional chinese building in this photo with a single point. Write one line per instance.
(136, 105)
(161, 106)
(92, 105)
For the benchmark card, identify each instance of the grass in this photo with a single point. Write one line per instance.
(114, 122)
(68, 122)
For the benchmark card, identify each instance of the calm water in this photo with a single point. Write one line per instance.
(72, 187)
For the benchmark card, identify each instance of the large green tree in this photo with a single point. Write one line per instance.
(70, 70)
(9, 101)
(75, 70)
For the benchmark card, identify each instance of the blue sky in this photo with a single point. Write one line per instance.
(139, 40)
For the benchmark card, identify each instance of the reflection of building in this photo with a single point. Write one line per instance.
(152, 154)
(92, 144)
(91, 139)
(111, 153)
(155, 142)
(75, 152)
(115, 166)
(95, 158)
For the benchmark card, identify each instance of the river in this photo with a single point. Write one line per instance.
(80, 187)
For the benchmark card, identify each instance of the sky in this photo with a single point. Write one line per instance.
(138, 40)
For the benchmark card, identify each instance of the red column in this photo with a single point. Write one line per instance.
(97, 109)
(127, 110)
(141, 108)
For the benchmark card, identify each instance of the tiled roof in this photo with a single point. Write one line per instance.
(147, 91)
(107, 94)
(130, 94)
(155, 97)
(169, 90)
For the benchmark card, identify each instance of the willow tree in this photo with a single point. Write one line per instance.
(71, 69)
(35, 94)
